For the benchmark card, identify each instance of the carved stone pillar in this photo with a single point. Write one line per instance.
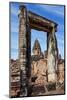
(51, 59)
(23, 50)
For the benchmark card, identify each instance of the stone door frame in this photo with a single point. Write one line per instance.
(27, 21)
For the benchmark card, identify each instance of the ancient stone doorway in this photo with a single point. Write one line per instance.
(27, 21)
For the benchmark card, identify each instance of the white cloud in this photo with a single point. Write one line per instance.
(53, 9)
(14, 10)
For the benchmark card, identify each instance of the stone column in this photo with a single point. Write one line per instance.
(23, 50)
(29, 57)
(51, 59)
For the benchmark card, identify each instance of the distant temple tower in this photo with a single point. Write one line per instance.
(36, 48)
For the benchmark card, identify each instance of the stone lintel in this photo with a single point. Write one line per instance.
(40, 23)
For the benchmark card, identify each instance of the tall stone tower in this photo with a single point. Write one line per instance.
(36, 48)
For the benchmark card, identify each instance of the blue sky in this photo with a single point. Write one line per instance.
(52, 12)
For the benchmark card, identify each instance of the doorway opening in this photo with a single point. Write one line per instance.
(38, 60)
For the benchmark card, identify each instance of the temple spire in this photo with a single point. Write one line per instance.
(36, 48)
